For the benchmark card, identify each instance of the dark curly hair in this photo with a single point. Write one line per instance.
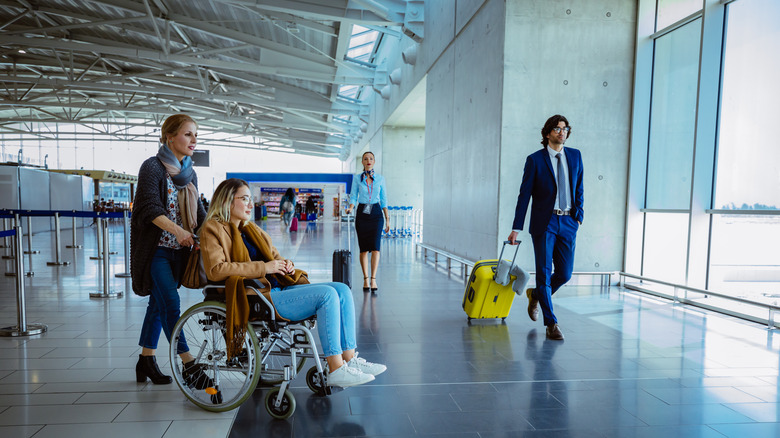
(551, 123)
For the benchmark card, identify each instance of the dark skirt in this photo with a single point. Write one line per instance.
(369, 227)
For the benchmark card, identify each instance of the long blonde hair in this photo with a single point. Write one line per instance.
(222, 201)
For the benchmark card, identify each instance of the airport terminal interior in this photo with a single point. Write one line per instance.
(631, 365)
(669, 317)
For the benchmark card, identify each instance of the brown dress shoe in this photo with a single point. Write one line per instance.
(554, 332)
(533, 305)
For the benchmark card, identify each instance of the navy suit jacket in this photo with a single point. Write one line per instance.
(539, 184)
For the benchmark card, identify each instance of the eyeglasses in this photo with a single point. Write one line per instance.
(245, 199)
(557, 129)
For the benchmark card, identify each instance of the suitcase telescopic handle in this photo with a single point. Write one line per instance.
(349, 231)
(501, 255)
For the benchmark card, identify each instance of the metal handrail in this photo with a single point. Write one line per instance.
(770, 307)
(470, 264)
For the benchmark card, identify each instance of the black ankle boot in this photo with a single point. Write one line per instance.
(147, 367)
(195, 377)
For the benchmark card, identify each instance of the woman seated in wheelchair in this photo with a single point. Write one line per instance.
(234, 249)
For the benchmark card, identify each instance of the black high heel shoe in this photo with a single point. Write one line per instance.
(366, 289)
(374, 289)
(195, 377)
(147, 367)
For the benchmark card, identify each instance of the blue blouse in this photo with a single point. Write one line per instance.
(361, 189)
(254, 255)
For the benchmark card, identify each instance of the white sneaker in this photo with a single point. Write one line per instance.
(346, 376)
(366, 367)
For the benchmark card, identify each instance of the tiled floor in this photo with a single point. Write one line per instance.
(631, 365)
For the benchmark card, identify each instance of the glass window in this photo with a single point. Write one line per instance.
(747, 171)
(673, 117)
(666, 246)
(67, 154)
(744, 257)
(671, 11)
(361, 44)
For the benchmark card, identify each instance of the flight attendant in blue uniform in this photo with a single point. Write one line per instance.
(370, 194)
(553, 179)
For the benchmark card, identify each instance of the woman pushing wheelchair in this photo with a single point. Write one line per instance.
(234, 249)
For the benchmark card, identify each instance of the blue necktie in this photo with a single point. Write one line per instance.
(561, 184)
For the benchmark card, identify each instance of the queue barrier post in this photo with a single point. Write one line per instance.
(12, 248)
(21, 251)
(23, 328)
(5, 238)
(29, 237)
(106, 292)
(125, 218)
(99, 237)
(9, 247)
(75, 245)
(58, 253)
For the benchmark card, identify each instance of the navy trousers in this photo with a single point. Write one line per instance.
(554, 257)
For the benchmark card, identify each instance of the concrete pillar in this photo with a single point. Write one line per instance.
(575, 59)
(403, 165)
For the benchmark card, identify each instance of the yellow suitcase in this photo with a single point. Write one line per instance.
(484, 298)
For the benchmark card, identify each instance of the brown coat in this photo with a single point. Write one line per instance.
(216, 248)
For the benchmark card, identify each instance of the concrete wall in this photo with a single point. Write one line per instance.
(463, 135)
(576, 59)
(403, 165)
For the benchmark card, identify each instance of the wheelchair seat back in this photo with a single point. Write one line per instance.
(260, 310)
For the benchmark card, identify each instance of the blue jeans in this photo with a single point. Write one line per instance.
(331, 302)
(164, 304)
(554, 248)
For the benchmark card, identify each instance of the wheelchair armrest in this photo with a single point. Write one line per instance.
(216, 291)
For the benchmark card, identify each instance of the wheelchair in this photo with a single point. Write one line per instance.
(273, 353)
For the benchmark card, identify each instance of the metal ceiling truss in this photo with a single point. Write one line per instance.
(253, 73)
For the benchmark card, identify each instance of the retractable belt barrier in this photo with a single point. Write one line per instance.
(101, 238)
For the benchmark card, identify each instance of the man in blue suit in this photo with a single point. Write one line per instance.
(555, 216)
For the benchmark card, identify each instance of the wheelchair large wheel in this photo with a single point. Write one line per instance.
(203, 327)
(285, 409)
(275, 348)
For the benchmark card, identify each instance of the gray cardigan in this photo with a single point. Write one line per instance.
(150, 197)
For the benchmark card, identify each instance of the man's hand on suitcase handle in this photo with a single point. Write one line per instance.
(512, 239)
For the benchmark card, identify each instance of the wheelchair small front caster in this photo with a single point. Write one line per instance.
(285, 409)
(314, 380)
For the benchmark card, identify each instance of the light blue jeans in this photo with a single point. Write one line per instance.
(331, 302)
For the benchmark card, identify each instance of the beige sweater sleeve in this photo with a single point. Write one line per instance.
(216, 248)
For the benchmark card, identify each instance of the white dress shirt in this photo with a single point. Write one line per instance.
(565, 164)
